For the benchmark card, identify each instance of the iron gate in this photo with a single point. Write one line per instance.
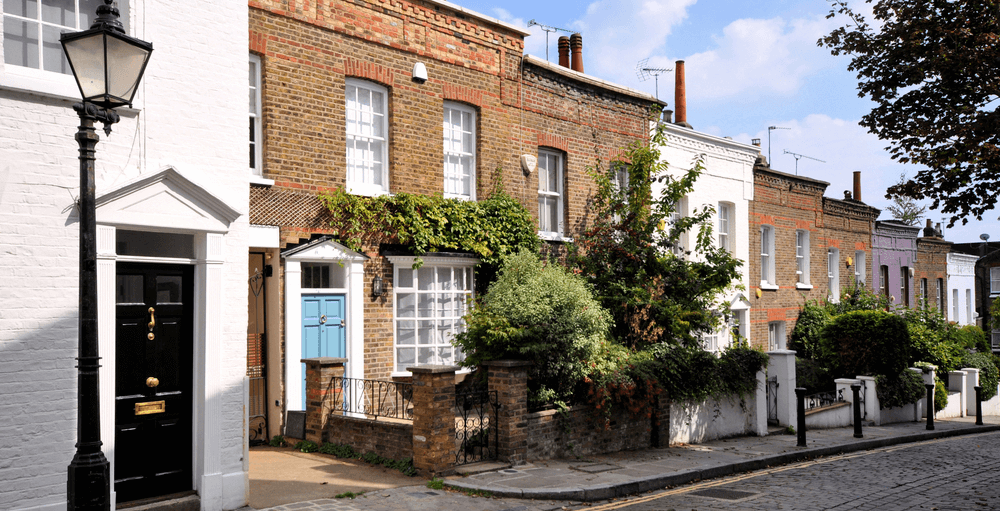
(772, 400)
(476, 435)
(256, 353)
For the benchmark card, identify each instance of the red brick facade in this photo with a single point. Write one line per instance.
(308, 52)
(931, 271)
(787, 205)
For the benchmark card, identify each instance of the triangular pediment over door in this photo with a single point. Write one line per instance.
(165, 200)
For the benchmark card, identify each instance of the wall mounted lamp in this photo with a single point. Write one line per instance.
(378, 286)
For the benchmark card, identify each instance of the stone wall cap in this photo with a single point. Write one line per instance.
(433, 369)
(508, 363)
(781, 352)
(324, 360)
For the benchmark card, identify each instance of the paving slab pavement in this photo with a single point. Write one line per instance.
(600, 477)
(287, 480)
(280, 476)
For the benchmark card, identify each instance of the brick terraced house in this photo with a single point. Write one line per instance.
(805, 247)
(931, 272)
(377, 97)
(893, 261)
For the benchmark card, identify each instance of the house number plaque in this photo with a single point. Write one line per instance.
(150, 407)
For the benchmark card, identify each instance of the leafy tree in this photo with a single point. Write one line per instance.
(904, 208)
(931, 69)
(656, 289)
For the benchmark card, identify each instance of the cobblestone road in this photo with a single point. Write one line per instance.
(961, 473)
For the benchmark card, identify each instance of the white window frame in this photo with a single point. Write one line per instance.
(465, 133)
(802, 259)
(940, 295)
(776, 335)
(969, 316)
(904, 286)
(767, 277)
(679, 212)
(544, 194)
(437, 319)
(726, 226)
(859, 267)
(924, 293)
(955, 307)
(50, 83)
(833, 273)
(256, 124)
(995, 280)
(365, 184)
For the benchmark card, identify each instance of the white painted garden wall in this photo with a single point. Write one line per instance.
(692, 423)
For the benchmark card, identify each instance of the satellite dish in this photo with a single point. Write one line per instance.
(984, 237)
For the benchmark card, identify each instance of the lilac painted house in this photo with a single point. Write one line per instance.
(894, 254)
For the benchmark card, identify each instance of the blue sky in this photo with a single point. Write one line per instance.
(749, 65)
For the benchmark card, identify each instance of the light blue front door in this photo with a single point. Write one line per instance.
(323, 330)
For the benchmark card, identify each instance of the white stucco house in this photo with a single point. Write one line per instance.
(962, 288)
(726, 185)
(172, 182)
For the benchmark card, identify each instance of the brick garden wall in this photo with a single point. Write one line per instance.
(581, 431)
(388, 438)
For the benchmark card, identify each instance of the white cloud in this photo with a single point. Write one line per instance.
(755, 56)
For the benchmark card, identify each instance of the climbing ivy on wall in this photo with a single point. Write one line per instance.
(489, 229)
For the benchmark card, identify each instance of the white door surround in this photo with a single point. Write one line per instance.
(352, 264)
(168, 202)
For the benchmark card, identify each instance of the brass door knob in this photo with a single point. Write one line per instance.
(152, 382)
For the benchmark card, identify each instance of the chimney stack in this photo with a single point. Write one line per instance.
(563, 51)
(680, 96)
(576, 44)
(857, 185)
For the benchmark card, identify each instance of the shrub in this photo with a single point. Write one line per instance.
(805, 339)
(866, 343)
(902, 389)
(306, 446)
(940, 394)
(813, 376)
(538, 312)
(988, 373)
(971, 337)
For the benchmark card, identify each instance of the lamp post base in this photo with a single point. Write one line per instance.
(89, 483)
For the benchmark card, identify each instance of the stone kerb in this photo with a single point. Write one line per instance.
(434, 449)
(321, 394)
(781, 365)
(509, 378)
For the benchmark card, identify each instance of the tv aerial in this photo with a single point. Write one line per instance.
(643, 70)
(769, 130)
(547, 29)
(798, 156)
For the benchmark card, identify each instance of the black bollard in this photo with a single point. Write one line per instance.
(979, 405)
(930, 405)
(856, 388)
(800, 398)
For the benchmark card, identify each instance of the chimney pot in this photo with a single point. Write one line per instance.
(680, 96)
(576, 45)
(564, 51)
(857, 185)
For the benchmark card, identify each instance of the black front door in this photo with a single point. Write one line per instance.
(154, 380)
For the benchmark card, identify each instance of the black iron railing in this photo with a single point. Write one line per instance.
(373, 398)
(824, 399)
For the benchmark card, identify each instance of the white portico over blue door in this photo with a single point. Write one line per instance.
(323, 328)
(324, 311)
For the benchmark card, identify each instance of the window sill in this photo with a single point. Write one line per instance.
(366, 191)
(407, 374)
(800, 285)
(554, 236)
(768, 287)
(261, 181)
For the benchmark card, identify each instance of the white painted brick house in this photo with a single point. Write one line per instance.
(725, 184)
(172, 184)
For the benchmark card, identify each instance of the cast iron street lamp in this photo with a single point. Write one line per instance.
(107, 65)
